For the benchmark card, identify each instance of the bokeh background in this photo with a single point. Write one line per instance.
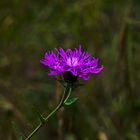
(109, 103)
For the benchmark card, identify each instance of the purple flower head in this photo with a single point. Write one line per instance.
(71, 64)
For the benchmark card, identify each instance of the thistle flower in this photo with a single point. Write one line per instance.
(72, 64)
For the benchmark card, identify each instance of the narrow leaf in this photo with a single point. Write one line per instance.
(70, 101)
(39, 115)
(41, 118)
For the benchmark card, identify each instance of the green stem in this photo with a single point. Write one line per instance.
(66, 94)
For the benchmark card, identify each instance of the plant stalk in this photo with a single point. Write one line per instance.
(66, 94)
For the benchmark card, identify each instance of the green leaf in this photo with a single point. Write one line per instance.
(39, 115)
(19, 134)
(41, 118)
(70, 101)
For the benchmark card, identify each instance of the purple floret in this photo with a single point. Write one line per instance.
(77, 62)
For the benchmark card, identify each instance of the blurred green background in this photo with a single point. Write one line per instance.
(109, 103)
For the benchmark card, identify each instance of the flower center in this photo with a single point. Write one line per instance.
(72, 61)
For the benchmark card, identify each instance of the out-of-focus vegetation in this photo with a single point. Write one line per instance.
(109, 104)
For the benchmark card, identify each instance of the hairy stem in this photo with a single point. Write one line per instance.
(66, 94)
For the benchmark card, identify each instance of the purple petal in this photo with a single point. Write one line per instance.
(94, 63)
(85, 77)
(61, 52)
(52, 73)
(74, 71)
(97, 70)
(43, 61)
(69, 52)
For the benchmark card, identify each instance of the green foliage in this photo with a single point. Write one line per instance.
(41, 118)
(70, 101)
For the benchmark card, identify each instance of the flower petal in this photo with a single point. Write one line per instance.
(97, 70)
(85, 77)
(61, 52)
(52, 73)
(74, 71)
